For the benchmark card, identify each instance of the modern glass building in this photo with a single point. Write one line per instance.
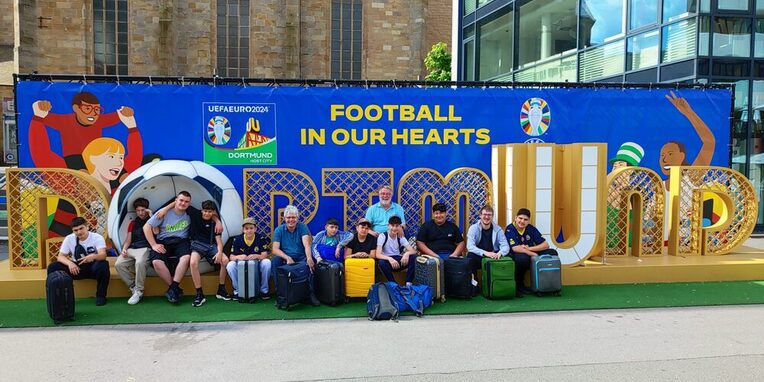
(646, 41)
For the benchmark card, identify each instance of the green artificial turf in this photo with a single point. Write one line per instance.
(33, 313)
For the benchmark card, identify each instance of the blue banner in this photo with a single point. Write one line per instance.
(314, 128)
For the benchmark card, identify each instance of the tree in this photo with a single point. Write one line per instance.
(438, 63)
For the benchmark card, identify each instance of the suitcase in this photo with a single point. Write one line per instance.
(329, 282)
(359, 276)
(429, 271)
(498, 278)
(458, 277)
(248, 280)
(294, 285)
(59, 288)
(545, 274)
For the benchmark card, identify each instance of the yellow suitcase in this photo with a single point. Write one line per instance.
(359, 276)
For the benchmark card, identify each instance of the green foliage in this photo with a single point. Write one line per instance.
(438, 63)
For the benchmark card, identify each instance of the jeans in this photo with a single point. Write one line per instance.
(387, 269)
(97, 270)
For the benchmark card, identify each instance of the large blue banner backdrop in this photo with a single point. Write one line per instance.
(311, 129)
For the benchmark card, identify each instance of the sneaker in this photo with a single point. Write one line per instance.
(265, 296)
(172, 295)
(100, 301)
(179, 293)
(525, 290)
(199, 300)
(518, 294)
(313, 300)
(135, 298)
(223, 295)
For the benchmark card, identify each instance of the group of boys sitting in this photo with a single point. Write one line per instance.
(179, 236)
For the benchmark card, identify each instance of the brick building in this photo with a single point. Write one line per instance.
(353, 39)
(312, 39)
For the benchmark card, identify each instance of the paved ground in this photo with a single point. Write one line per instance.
(687, 344)
(678, 344)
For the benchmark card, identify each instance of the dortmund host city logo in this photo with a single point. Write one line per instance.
(535, 118)
(239, 134)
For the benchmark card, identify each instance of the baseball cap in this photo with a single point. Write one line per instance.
(248, 221)
(364, 222)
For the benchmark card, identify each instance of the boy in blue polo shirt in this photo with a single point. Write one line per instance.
(525, 241)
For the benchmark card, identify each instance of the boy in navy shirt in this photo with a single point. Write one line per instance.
(248, 246)
(525, 241)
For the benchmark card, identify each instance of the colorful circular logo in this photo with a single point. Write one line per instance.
(219, 130)
(534, 140)
(535, 116)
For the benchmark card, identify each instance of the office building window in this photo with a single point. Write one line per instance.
(759, 39)
(110, 37)
(469, 54)
(496, 46)
(547, 28)
(733, 5)
(643, 51)
(559, 70)
(704, 35)
(732, 37)
(469, 6)
(601, 62)
(346, 39)
(677, 9)
(643, 12)
(678, 41)
(233, 38)
(601, 21)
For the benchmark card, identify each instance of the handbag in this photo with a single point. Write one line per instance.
(203, 248)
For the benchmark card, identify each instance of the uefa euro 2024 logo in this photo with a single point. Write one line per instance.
(535, 118)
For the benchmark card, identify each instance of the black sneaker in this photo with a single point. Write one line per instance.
(313, 300)
(518, 294)
(100, 301)
(171, 295)
(265, 296)
(178, 294)
(223, 295)
(199, 300)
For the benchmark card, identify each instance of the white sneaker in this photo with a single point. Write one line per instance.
(135, 298)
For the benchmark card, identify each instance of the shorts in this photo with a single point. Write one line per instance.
(175, 248)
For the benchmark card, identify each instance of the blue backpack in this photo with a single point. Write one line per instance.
(414, 298)
(381, 303)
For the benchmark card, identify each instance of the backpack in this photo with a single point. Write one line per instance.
(381, 303)
(415, 298)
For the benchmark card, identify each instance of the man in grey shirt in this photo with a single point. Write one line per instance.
(171, 249)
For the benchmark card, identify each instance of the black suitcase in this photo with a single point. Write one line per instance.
(60, 292)
(330, 282)
(458, 278)
(294, 285)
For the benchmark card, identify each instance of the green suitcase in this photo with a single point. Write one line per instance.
(498, 278)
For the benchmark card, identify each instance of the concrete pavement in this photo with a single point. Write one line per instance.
(698, 344)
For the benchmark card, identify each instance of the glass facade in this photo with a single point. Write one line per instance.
(701, 41)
